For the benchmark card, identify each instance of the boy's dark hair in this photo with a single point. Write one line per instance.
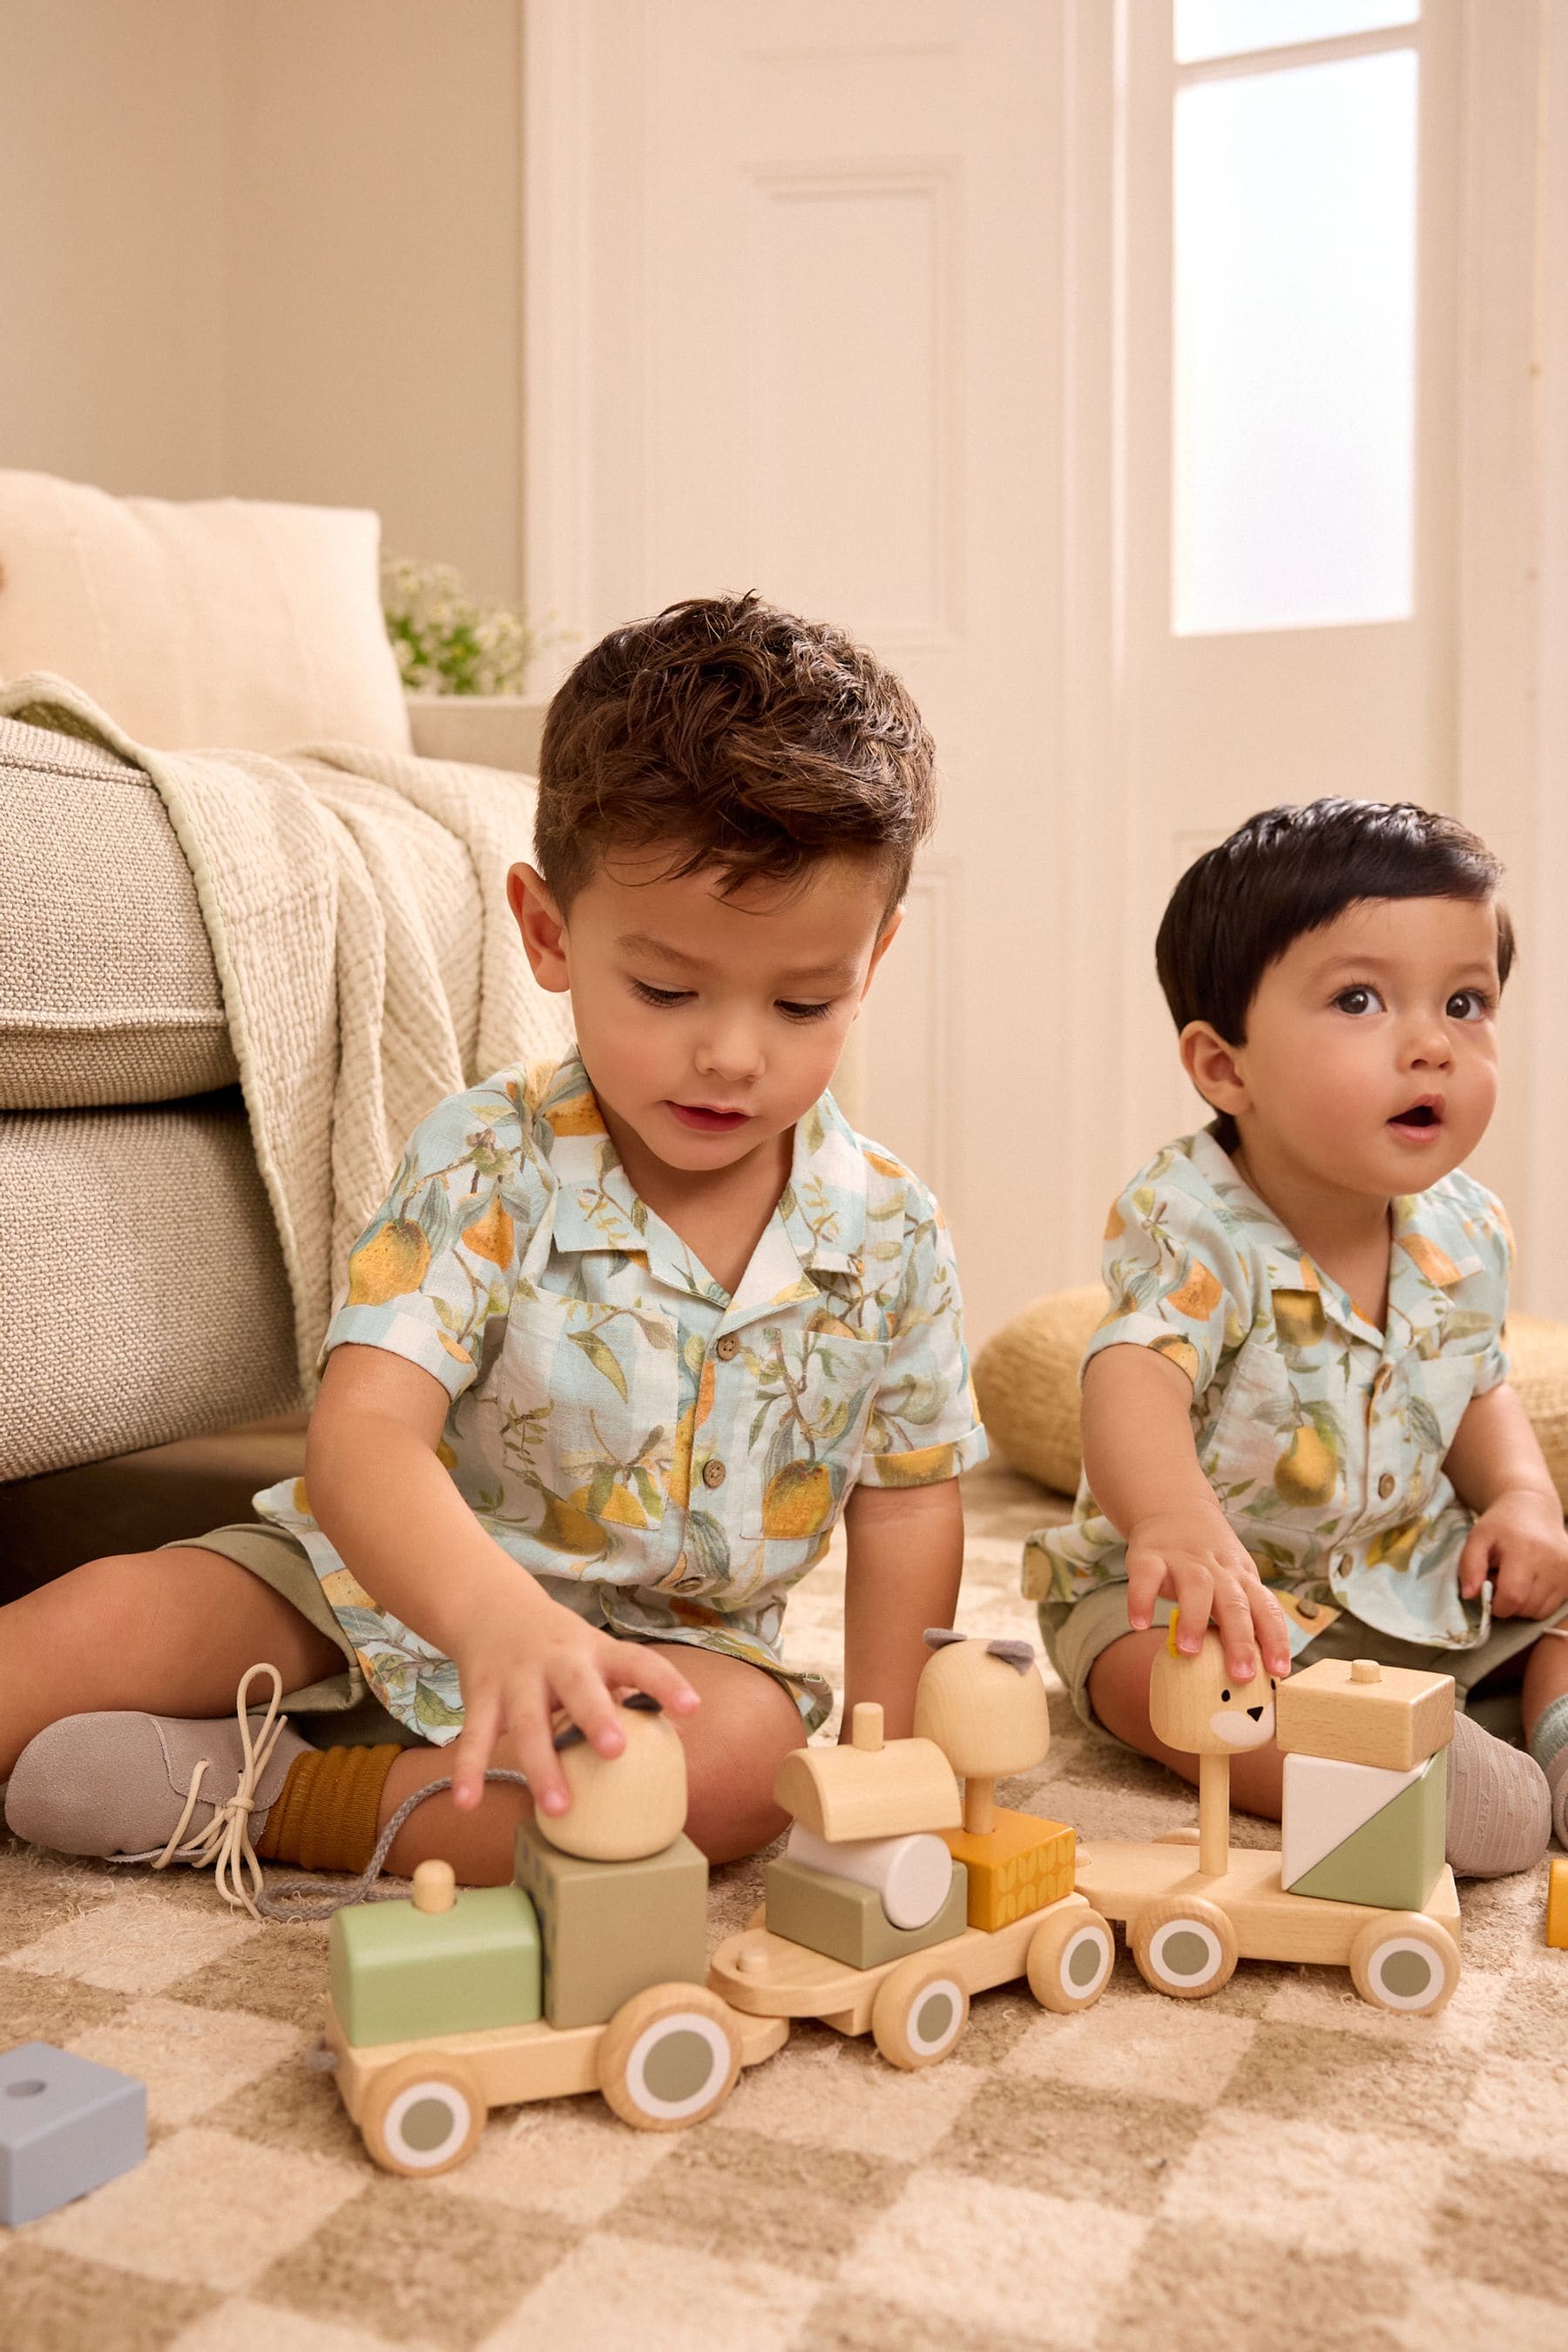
(1289, 871)
(749, 741)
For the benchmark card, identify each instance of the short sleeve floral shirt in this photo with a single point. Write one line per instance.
(1322, 1437)
(667, 1459)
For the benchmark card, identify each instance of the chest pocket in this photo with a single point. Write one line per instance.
(585, 1400)
(1267, 1431)
(808, 1410)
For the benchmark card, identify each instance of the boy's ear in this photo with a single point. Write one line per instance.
(1214, 1068)
(539, 921)
(888, 932)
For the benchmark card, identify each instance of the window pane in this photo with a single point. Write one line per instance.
(1295, 326)
(1223, 28)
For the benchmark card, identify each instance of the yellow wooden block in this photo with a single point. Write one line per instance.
(1557, 1905)
(1019, 1865)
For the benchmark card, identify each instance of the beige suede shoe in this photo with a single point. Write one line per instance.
(157, 1787)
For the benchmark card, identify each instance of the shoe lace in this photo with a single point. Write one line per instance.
(224, 1842)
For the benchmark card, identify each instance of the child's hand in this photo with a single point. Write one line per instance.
(1518, 1540)
(1195, 1559)
(526, 1657)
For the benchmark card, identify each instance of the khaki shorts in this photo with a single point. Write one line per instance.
(1486, 1678)
(342, 1710)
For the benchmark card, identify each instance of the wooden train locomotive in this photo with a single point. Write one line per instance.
(586, 1973)
(897, 1897)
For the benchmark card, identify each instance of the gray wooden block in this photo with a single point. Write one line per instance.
(66, 2126)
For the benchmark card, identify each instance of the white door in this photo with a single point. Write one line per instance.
(794, 323)
(1148, 381)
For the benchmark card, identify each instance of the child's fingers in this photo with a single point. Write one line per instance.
(580, 1687)
(1270, 1626)
(637, 1667)
(1194, 1599)
(473, 1748)
(533, 1742)
(1146, 1577)
(1475, 1560)
(1234, 1619)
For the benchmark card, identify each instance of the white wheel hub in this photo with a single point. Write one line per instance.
(1086, 1962)
(935, 2017)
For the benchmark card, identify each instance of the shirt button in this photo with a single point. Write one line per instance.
(712, 1474)
(727, 1346)
(1386, 1484)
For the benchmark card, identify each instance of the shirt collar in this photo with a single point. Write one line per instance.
(1422, 1272)
(819, 1223)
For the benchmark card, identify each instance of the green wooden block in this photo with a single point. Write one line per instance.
(402, 1975)
(846, 1921)
(612, 1928)
(1395, 1859)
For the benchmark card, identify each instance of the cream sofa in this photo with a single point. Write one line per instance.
(142, 1298)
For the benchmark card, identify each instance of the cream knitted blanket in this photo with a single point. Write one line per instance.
(339, 887)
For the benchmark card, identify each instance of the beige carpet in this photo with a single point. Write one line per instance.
(1277, 2166)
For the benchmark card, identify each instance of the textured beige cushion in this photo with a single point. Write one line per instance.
(215, 622)
(1026, 1378)
(108, 992)
(143, 1296)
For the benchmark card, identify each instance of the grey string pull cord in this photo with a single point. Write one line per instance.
(298, 1900)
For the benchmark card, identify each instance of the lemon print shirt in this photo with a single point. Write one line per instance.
(1322, 1437)
(667, 1459)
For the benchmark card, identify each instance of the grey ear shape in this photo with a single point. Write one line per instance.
(567, 1738)
(1017, 1654)
(937, 1637)
(643, 1701)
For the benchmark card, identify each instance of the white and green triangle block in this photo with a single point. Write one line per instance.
(1357, 1834)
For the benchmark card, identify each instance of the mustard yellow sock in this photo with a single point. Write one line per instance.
(325, 1816)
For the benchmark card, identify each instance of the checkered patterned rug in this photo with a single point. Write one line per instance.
(1277, 2166)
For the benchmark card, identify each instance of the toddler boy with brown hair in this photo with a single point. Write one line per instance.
(628, 1338)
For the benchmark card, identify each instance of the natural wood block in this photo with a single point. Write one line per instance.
(1557, 1905)
(610, 1928)
(400, 1974)
(1019, 1866)
(1354, 1834)
(1395, 1717)
(869, 1792)
(844, 1919)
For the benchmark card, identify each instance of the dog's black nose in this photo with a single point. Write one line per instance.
(1255, 1712)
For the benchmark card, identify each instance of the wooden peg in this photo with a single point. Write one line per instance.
(866, 1728)
(1365, 1670)
(435, 1887)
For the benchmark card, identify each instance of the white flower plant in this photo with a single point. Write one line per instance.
(445, 641)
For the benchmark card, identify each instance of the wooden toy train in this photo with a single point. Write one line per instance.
(900, 1894)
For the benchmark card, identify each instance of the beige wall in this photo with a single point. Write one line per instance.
(272, 247)
(111, 242)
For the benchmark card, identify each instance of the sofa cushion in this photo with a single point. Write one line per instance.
(108, 990)
(1027, 1381)
(214, 623)
(142, 1284)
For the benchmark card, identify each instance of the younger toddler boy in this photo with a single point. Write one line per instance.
(628, 1336)
(1296, 1413)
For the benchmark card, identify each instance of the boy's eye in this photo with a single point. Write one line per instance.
(650, 995)
(1468, 1004)
(804, 1012)
(1358, 1000)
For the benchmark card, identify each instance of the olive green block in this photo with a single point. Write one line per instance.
(612, 1928)
(846, 1921)
(1393, 1860)
(402, 1975)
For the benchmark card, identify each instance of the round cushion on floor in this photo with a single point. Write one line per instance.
(1027, 1380)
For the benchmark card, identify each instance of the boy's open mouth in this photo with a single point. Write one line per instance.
(1423, 1118)
(706, 1119)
